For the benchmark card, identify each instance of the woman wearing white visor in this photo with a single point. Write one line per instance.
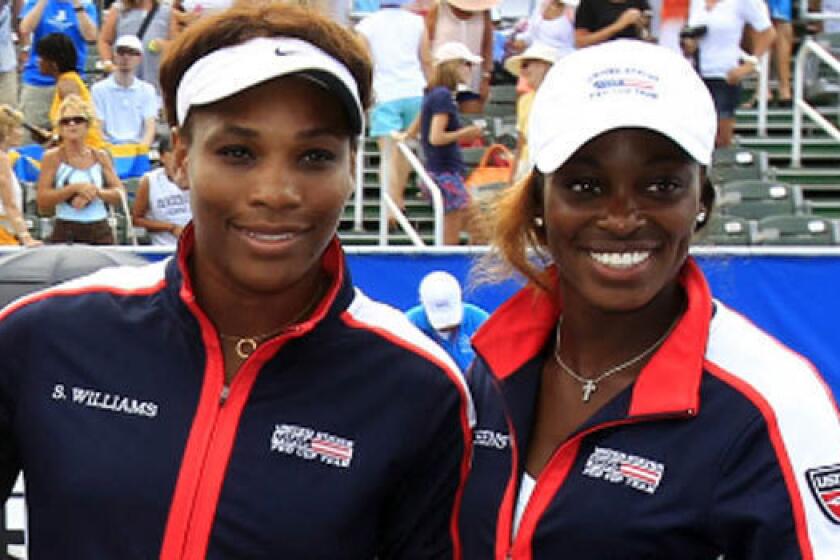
(622, 412)
(242, 399)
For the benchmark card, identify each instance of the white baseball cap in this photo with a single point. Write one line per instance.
(440, 295)
(228, 71)
(453, 50)
(620, 84)
(537, 51)
(129, 41)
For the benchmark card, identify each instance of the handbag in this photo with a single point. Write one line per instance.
(493, 169)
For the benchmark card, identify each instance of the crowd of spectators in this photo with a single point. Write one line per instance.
(109, 57)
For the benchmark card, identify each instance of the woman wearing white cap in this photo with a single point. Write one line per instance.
(532, 66)
(242, 399)
(622, 411)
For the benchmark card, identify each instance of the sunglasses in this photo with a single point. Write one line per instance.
(124, 51)
(67, 121)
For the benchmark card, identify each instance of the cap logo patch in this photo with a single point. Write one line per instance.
(623, 81)
(619, 467)
(825, 485)
(280, 52)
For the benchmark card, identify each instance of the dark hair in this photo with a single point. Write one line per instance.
(241, 24)
(58, 48)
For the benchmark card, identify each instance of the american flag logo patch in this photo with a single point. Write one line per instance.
(307, 443)
(619, 467)
(623, 81)
(825, 485)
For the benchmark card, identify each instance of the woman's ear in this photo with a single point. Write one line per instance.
(180, 157)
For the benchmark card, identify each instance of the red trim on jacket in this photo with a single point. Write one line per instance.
(781, 453)
(466, 427)
(517, 332)
(213, 431)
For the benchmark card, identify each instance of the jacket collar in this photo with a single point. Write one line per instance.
(669, 382)
(337, 298)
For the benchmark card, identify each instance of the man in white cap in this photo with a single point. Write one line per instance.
(445, 318)
(126, 106)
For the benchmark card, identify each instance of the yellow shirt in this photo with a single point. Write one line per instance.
(94, 137)
(523, 113)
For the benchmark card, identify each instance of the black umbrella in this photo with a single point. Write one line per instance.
(29, 270)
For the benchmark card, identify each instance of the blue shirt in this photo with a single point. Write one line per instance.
(440, 159)
(459, 344)
(124, 110)
(58, 17)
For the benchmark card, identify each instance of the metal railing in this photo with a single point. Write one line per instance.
(809, 48)
(388, 202)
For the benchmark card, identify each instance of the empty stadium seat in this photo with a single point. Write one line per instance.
(727, 230)
(753, 199)
(796, 230)
(734, 164)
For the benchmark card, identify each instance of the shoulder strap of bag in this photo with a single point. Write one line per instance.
(147, 20)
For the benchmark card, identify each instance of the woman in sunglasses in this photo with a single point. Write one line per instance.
(76, 180)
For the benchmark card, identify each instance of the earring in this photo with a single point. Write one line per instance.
(538, 222)
(701, 216)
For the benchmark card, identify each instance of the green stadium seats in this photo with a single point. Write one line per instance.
(797, 230)
(733, 164)
(753, 199)
(726, 230)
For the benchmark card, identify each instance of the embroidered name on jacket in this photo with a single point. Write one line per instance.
(622, 468)
(491, 439)
(309, 444)
(113, 402)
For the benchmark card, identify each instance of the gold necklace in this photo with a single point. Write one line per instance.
(247, 345)
(588, 384)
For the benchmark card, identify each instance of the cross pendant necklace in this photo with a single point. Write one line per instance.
(589, 387)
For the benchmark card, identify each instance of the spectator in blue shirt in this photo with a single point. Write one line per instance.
(75, 18)
(445, 318)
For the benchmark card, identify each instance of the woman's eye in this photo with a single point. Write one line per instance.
(663, 186)
(236, 153)
(318, 157)
(584, 186)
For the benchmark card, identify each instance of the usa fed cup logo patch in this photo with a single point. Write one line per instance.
(825, 484)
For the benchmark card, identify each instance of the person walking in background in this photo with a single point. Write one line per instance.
(467, 22)
(597, 21)
(57, 59)
(440, 131)
(721, 62)
(126, 106)
(161, 205)
(623, 411)
(399, 45)
(444, 317)
(75, 18)
(150, 21)
(531, 66)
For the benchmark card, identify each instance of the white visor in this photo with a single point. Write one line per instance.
(226, 72)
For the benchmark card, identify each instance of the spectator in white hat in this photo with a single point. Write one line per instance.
(621, 409)
(468, 22)
(532, 66)
(440, 131)
(126, 106)
(444, 317)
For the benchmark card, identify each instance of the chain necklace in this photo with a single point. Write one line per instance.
(590, 385)
(247, 345)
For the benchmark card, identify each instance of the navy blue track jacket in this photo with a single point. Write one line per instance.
(346, 437)
(727, 443)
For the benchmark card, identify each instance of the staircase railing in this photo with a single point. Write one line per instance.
(809, 47)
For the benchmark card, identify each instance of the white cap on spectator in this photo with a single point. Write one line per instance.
(440, 295)
(228, 71)
(620, 84)
(537, 51)
(474, 5)
(454, 50)
(129, 41)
